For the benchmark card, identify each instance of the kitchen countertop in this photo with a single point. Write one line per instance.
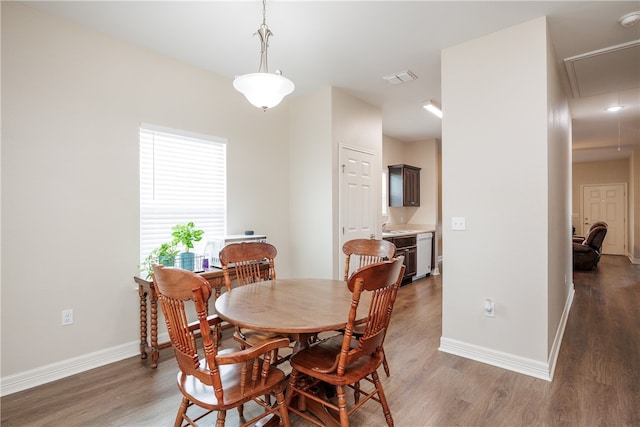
(406, 232)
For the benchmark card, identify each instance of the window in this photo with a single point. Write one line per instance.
(182, 179)
(385, 200)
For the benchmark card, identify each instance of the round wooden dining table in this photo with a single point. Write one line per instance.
(298, 308)
(289, 306)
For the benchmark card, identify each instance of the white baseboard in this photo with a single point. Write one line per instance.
(436, 270)
(55, 371)
(523, 365)
(557, 342)
(492, 357)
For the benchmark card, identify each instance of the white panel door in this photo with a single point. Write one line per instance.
(606, 203)
(359, 186)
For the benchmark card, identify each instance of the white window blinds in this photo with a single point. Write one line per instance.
(182, 179)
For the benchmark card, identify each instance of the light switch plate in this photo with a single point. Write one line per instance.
(458, 223)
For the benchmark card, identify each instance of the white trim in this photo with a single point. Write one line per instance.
(55, 371)
(508, 361)
(492, 357)
(557, 342)
(183, 133)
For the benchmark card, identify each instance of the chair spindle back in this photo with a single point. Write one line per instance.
(369, 251)
(248, 259)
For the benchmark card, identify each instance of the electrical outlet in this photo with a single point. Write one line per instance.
(489, 308)
(458, 223)
(67, 317)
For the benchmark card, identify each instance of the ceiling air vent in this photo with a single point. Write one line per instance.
(401, 77)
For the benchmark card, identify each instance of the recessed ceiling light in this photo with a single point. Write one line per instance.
(630, 19)
(614, 108)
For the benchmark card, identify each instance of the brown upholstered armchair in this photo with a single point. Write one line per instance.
(580, 239)
(586, 254)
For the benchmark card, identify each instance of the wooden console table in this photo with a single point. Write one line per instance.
(147, 291)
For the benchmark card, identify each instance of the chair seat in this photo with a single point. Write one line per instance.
(230, 375)
(321, 357)
(585, 249)
(254, 338)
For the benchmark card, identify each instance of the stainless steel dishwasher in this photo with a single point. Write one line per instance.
(423, 255)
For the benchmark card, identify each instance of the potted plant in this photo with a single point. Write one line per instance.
(164, 254)
(186, 234)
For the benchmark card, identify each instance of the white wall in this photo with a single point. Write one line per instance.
(393, 154)
(355, 124)
(310, 192)
(606, 172)
(425, 155)
(560, 255)
(634, 207)
(591, 173)
(498, 127)
(422, 154)
(321, 122)
(71, 104)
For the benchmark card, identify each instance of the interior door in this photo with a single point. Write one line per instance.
(606, 203)
(359, 190)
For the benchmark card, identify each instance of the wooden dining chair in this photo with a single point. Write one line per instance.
(367, 251)
(253, 262)
(346, 360)
(221, 380)
(248, 259)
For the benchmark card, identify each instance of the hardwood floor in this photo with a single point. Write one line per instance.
(597, 379)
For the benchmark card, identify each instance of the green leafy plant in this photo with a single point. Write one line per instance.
(186, 234)
(164, 254)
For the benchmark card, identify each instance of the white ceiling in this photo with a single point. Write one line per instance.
(353, 44)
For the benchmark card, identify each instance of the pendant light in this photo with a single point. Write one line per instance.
(264, 89)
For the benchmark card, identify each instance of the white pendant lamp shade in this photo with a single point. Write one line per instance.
(264, 90)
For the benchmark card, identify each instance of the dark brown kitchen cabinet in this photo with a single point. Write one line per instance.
(406, 245)
(404, 185)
